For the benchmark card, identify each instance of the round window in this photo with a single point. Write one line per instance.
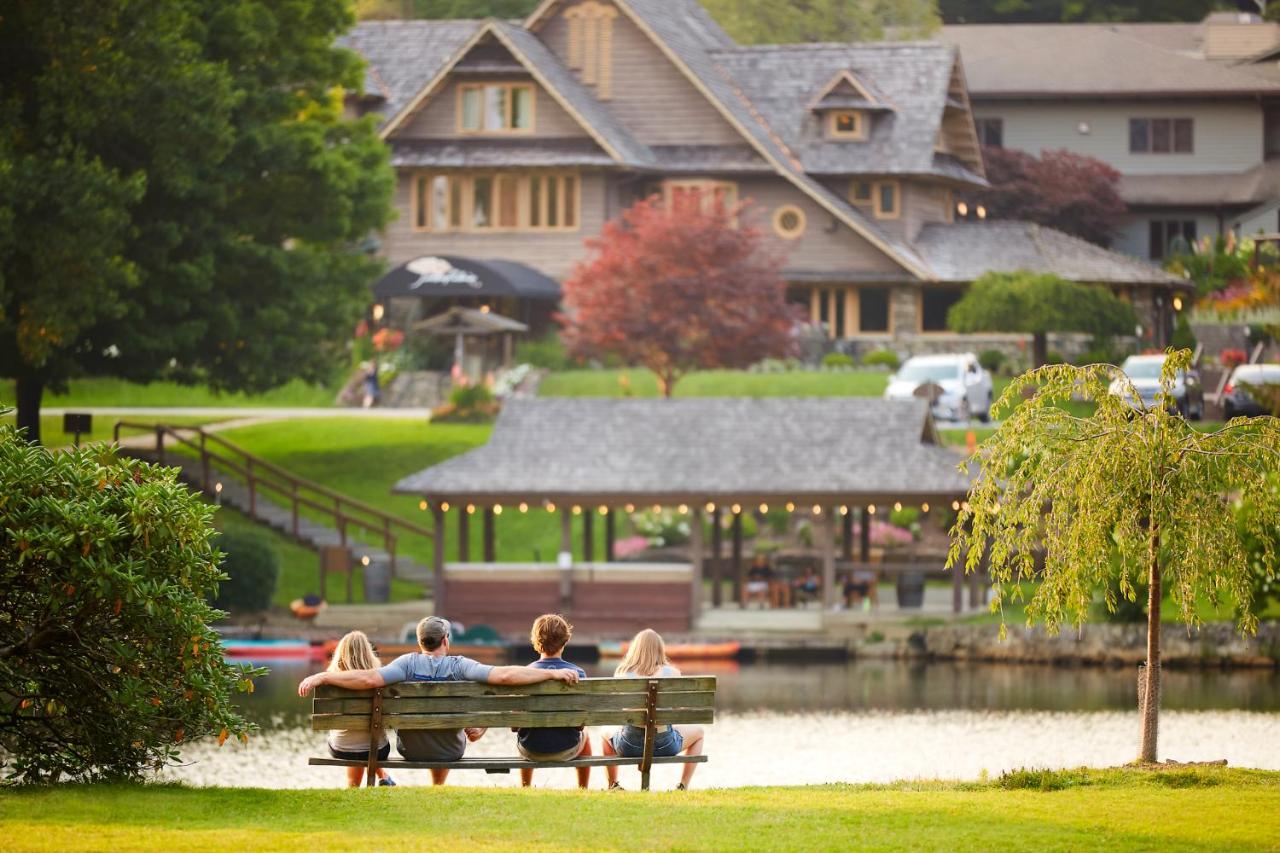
(788, 221)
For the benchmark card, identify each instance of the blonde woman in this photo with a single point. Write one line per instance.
(354, 651)
(647, 658)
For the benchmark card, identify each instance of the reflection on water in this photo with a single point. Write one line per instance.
(857, 722)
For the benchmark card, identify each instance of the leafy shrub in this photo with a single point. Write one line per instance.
(882, 358)
(749, 525)
(991, 360)
(106, 570)
(1230, 358)
(253, 571)
(661, 528)
(468, 404)
(837, 361)
(907, 518)
(778, 521)
(1024, 779)
(547, 351)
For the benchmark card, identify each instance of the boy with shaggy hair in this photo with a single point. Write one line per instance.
(549, 636)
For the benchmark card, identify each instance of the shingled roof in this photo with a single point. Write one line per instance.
(404, 56)
(807, 450)
(963, 251)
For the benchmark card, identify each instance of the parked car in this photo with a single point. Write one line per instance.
(1236, 399)
(963, 386)
(1144, 371)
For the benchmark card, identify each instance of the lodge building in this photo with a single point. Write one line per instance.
(515, 142)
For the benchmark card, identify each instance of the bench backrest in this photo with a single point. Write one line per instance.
(549, 704)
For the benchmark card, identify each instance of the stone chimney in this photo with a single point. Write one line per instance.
(1238, 35)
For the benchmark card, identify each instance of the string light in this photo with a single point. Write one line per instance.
(711, 507)
(422, 505)
(657, 508)
(604, 510)
(444, 507)
(631, 507)
(897, 506)
(791, 507)
(737, 509)
(683, 509)
(364, 561)
(962, 209)
(577, 510)
(982, 212)
(924, 507)
(955, 505)
(965, 506)
(817, 510)
(471, 509)
(844, 510)
(524, 507)
(497, 509)
(764, 509)
(871, 510)
(551, 507)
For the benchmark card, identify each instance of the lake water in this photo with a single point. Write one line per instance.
(856, 722)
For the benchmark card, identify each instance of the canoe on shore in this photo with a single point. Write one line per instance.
(273, 649)
(681, 651)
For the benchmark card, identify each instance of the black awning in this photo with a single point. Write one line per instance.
(433, 276)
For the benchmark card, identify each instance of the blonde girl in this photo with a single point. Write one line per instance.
(354, 651)
(646, 657)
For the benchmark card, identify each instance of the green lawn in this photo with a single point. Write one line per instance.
(718, 383)
(1123, 810)
(300, 567)
(117, 392)
(365, 458)
(51, 433)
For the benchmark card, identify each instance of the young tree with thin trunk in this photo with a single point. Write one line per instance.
(1117, 498)
(1037, 304)
(676, 289)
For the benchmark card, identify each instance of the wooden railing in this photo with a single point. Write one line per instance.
(261, 476)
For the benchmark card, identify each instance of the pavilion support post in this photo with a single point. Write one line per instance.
(437, 561)
(846, 537)
(696, 555)
(827, 546)
(717, 567)
(739, 568)
(464, 535)
(609, 535)
(490, 552)
(566, 530)
(864, 544)
(566, 567)
(588, 536)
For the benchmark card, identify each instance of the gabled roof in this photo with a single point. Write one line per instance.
(912, 77)
(404, 56)
(1096, 61)
(843, 88)
(830, 450)
(963, 251)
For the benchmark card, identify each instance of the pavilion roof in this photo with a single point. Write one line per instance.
(601, 451)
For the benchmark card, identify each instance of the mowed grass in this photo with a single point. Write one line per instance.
(118, 393)
(300, 567)
(1181, 810)
(51, 434)
(639, 382)
(364, 458)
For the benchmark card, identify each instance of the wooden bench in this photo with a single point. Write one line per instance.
(644, 702)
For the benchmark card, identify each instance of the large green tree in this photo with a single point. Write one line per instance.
(1057, 497)
(774, 22)
(1036, 304)
(180, 194)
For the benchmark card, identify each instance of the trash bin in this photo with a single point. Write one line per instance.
(910, 590)
(377, 582)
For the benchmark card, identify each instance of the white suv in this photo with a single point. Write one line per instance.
(962, 387)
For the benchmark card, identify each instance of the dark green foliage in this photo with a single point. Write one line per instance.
(381, 9)
(1260, 549)
(882, 358)
(1038, 304)
(547, 351)
(794, 21)
(107, 663)
(1034, 779)
(252, 568)
(837, 360)
(1183, 337)
(1102, 350)
(991, 360)
(1074, 11)
(179, 193)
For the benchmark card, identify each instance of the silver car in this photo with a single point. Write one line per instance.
(959, 386)
(1143, 372)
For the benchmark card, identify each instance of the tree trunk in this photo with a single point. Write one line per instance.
(666, 385)
(1150, 704)
(29, 391)
(1039, 348)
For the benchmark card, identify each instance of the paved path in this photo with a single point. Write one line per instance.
(264, 412)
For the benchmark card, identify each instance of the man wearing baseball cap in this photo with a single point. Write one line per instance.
(434, 663)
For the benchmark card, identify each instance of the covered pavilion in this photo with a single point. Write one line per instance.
(708, 456)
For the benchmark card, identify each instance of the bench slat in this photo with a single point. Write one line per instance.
(553, 702)
(507, 763)
(513, 719)
(469, 688)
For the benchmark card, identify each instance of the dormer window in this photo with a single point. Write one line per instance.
(495, 108)
(846, 124)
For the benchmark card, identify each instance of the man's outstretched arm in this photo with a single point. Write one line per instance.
(530, 675)
(353, 679)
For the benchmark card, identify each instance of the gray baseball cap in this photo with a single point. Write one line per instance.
(432, 632)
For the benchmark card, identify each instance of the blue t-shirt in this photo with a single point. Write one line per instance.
(549, 741)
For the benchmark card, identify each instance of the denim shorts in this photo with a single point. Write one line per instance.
(383, 753)
(629, 742)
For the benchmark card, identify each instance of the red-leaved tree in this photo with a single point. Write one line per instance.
(676, 290)
(1060, 189)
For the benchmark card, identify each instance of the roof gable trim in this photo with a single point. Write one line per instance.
(847, 77)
